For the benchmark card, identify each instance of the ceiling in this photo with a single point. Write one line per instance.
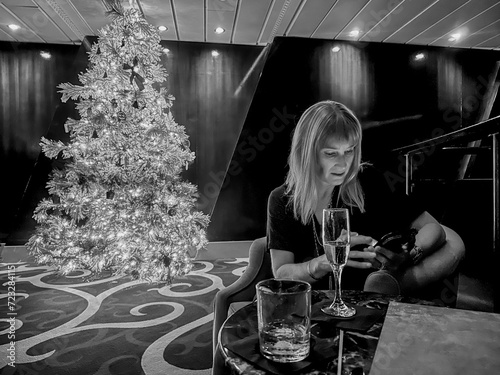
(257, 22)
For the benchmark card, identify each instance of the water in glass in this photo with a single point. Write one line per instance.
(284, 342)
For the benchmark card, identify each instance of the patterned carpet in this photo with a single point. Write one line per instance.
(114, 325)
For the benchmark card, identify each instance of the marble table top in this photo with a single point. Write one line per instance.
(432, 340)
(358, 348)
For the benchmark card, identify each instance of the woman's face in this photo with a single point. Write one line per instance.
(335, 159)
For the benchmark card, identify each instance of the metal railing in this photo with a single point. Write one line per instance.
(481, 130)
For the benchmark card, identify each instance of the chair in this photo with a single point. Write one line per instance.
(242, 290)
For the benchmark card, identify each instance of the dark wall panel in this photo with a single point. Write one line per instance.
(28, 100)
(399, 99)
(213, 94)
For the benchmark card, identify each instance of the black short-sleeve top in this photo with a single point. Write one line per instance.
(385, 211)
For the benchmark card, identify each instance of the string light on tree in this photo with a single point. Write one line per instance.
(119, 204)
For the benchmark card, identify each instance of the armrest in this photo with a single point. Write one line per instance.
(243, 289)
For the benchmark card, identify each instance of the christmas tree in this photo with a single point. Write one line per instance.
(120, 204)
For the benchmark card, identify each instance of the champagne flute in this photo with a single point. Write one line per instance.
(337, 243)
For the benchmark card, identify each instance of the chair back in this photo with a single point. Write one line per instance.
(259, 268)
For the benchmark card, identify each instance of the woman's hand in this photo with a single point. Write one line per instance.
(361, 257)
(389, 260)
(323, 265)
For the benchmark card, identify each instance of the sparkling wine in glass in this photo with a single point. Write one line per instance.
(337, 243)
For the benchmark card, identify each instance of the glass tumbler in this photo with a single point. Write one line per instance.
(284, 319)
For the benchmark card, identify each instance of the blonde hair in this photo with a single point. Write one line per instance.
(317, 124)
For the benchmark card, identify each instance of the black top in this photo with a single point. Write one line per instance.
(385, 211)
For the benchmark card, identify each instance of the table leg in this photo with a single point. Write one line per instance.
(340, 354)
(219, 366)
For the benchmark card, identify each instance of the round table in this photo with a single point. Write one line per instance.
(358, 348)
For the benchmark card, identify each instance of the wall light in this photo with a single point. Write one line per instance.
(336, 49)
(215, 53)
(46, 55)
(162, 28)
(166, 50)
(14, 27)
(219, 30)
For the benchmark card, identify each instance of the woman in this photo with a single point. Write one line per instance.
(325, 170)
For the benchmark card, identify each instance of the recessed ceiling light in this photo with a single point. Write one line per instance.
(219, 30)
(14, 27)
(46, 55)
(336, 49)
(162, 28)
(454, 37)
(354, 33)
(215, 53)
(420, 56)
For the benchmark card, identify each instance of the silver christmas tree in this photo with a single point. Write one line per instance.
(120, 204)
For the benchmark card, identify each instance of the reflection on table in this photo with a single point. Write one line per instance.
(358, 348)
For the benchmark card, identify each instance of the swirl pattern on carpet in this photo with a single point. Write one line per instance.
(113, 325)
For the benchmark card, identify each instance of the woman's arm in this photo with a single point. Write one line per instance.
(430, 236)
(285, 268)
(441, 263)
(442, 249)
